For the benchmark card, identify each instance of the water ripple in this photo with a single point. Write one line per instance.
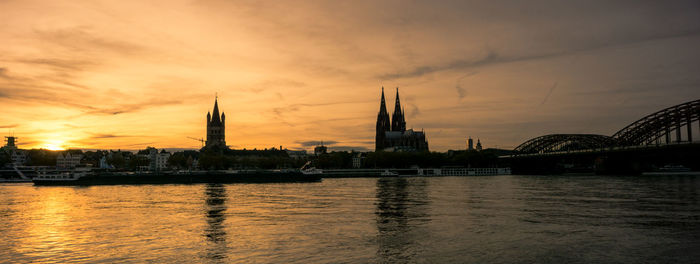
(505, 219)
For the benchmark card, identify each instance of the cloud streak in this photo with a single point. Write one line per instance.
(462, 92)
(494, 58)
(84, 39)
(107, 135)
(313, 143)
(130, 108)
(73, 65)
(549, 93)
(281, 111)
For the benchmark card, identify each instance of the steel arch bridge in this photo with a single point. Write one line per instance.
(564, 142)
(652, 128)
(646, 131)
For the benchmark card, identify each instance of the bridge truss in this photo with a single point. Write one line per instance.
(652, 128)
(564, 142)
(646, 131)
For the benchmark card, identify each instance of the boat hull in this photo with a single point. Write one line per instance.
(191, 178)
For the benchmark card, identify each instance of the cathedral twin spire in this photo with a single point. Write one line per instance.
(398, 120)
(383, 121)
(391, 133)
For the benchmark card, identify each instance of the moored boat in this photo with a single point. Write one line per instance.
(668, 170)
(78, 177)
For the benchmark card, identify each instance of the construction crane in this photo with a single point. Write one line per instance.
(198, 139)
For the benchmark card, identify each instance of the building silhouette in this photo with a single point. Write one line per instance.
(18, 156)
(320, 150)
(392, 135)
(157, 161)
(216, 128)
(67, 160)
(11, 142)
(470, 144)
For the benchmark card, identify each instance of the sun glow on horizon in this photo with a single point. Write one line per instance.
(54, 145)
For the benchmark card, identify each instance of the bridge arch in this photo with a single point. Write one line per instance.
(564, 142)
(652, 128)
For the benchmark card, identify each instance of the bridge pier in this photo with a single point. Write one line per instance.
(678, 130)
(689, 124)
(668, 135)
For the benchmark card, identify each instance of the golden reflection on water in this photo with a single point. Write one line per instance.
(47, 230)
(401, 211)
(215, 202)
(389, 220)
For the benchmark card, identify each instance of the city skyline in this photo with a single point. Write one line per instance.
(100, 75)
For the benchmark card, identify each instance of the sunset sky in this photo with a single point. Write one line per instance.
(131, 74)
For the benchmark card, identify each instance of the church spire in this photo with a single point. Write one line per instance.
(383, 123)
(403, 117)
(216, 118)
(216, 128)
(397, 107)
(382, 106)
(398, 121)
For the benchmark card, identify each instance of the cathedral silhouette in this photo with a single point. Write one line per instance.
(392, 134)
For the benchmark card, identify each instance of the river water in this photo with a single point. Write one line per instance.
(498, 219)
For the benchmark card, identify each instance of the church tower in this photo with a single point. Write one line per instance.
(383, 124)
(398, 121)
(216, 127)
